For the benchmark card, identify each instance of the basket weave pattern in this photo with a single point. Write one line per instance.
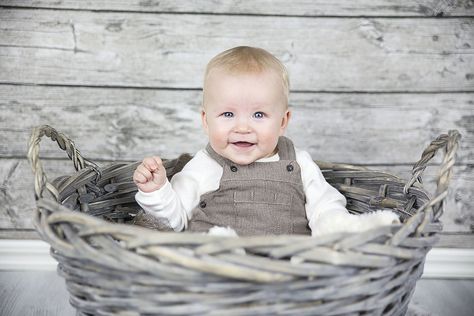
(114, 268)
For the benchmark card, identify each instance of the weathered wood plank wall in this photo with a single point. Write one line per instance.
(372, 83)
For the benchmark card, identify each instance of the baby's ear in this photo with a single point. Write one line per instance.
(284, 121)
(204, 120)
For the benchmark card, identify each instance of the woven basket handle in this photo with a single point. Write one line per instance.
(450, 143)
(65, 144)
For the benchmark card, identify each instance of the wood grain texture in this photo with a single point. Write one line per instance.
(18, 233)
(170, 50)
(109, 124)
(17, 201)
(442, 297)
(267, 7)
(33, 293)
(373, 82)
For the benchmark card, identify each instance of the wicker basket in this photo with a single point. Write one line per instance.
(114, 268)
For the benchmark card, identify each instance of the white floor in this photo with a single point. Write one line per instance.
(43, 293)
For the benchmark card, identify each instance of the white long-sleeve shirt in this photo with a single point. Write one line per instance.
(325, 206)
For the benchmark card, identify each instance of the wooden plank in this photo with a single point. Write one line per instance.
(169, 50)
(456, 240)
(442, 297)
(130, 124)
(104, 123)
(17, 202)
(20, 234)
(31, 293)
(267, 7)
(17, 191)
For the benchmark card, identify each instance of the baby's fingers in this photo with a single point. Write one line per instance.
(152, 163)
(139, 178)
(142, 175)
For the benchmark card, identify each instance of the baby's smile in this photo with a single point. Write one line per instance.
(242, 144)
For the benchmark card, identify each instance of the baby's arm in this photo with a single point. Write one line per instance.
(326, 206)
(164, 204)
(175, 200)
(321, 198)
(155, 194)
(172, 201)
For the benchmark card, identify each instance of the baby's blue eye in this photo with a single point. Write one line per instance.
(258, 115)
(228, 114)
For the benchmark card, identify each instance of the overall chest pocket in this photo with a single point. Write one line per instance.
(262, 197)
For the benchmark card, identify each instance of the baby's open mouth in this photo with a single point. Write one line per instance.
(243, 144)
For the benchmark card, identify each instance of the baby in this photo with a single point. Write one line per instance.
(249, 177)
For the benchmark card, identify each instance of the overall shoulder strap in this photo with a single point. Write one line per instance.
(286, 149)
(220, 160)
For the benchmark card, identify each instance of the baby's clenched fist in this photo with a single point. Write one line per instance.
(150, 175)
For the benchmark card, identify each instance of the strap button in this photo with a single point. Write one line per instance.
(233, 168)
(202, 204)
(289, 168)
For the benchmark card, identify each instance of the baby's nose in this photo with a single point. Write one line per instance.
(243, 126)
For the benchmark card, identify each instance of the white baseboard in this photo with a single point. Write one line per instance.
(24, 255)
(20, 255)
(449, 263)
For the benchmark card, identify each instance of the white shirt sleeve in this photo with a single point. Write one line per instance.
(322, 199)
(326, 206)
(175, 201)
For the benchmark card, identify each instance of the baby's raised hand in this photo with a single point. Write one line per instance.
(150, 175)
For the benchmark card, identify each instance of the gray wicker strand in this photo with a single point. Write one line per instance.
(65, 144)
(112, 267)
(450, 144)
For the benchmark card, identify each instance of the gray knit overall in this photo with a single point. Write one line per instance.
(261, 198)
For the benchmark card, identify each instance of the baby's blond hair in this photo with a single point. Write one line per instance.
(246, 59)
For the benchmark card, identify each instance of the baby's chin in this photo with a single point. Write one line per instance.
(242, 158)
(242, 161)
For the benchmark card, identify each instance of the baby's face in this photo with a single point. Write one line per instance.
(244, 114)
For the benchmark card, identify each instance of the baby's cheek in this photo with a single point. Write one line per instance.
(218, 143)
(271, 140)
